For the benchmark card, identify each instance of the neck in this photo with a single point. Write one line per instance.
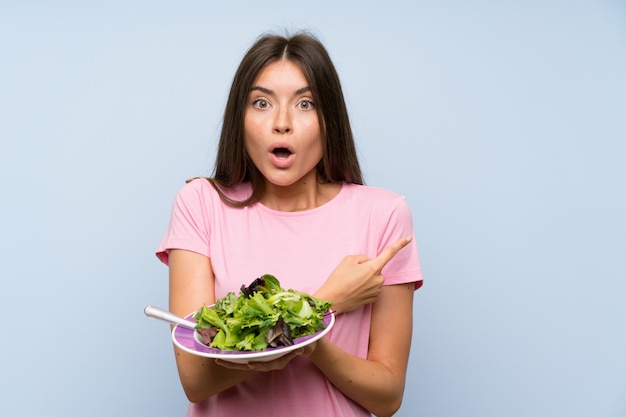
(306, 194)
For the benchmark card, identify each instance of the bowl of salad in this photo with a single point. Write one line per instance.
(263, 322)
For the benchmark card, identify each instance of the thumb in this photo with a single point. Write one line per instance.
(361, 258)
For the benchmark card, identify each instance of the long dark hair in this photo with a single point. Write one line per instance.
(339, 162)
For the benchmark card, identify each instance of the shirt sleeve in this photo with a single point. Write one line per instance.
(188, 228)
(405, 266)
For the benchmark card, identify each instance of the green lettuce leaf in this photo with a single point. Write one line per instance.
(244, 321)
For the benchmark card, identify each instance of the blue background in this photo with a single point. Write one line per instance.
(503, 122)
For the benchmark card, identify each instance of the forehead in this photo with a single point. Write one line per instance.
(281, 72)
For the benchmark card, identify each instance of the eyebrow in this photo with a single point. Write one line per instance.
(271, 93)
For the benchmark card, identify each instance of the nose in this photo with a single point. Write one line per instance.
(282, 122)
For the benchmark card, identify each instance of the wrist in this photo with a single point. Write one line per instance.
(317, 350)
(335, 306)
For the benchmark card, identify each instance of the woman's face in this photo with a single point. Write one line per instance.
(281, 128)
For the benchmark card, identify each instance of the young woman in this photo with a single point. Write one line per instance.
(287, 198)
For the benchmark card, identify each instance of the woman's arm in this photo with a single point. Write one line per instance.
(376, 383)
(191, 286)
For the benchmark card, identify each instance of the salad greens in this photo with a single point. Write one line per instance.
(263, 315)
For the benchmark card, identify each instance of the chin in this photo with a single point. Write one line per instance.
(288, 178)
(280, 183)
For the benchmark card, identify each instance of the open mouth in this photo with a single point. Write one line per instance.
(282, 153)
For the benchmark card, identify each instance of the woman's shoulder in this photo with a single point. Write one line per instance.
(371, 193)
(204, 188)
(378, 201)
(195, 188)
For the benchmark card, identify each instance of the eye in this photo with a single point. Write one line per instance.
(306, 104)
(261, 103)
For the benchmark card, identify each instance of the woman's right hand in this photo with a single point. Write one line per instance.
(358, 280)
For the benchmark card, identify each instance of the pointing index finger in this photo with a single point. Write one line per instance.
(390, 251)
